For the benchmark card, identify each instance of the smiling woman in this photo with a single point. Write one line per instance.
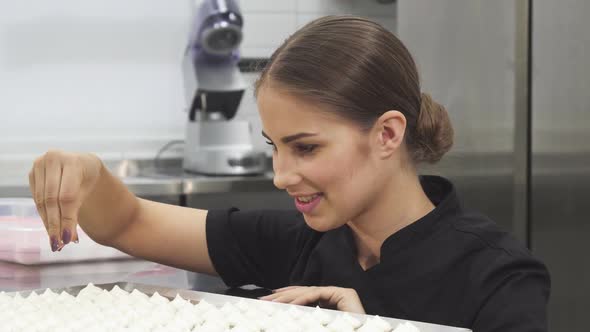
(340, 102)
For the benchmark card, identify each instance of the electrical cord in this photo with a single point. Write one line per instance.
(163, 149)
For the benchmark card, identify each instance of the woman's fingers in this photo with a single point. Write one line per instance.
(293, 294)
(53, 172)
(283, 297)
(37, 179)
(56, 184)
(313, 296)
(70, 200)
(345, 299)
(285, 288)
(59, 183)
(273, 296)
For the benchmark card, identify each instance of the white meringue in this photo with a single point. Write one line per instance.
(355, 323)
(158, 299)
(340, 325)
(321, 316)
(380, 323)
(117, 310)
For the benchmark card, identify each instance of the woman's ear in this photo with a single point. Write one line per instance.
(389, 130)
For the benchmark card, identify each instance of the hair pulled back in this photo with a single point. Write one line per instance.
(360, 70)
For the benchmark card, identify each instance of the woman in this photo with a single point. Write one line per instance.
(340, 102)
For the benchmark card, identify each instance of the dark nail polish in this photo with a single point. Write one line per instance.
(66, 236)
(54, 244)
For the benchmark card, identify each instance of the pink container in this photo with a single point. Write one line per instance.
(23, 238)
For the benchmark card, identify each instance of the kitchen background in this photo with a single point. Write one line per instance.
(105, 77)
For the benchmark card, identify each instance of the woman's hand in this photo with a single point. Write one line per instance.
(344, 299)
(59, 183)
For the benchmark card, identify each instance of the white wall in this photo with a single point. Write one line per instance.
(104, 76)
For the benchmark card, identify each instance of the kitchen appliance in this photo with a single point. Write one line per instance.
(216, 143)
(515, 76)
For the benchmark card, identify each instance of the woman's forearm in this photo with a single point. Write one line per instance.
(108, 209)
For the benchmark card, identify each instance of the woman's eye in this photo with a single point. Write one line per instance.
(305, 148)
(271, 143)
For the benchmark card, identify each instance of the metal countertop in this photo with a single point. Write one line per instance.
(17, 277)
(144, 179)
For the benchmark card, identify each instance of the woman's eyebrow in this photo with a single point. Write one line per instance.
(291, 138)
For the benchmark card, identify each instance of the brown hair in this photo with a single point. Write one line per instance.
(360, 70)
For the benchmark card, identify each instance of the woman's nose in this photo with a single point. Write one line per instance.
(285, 174)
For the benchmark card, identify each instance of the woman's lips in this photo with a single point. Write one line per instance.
(307, 207)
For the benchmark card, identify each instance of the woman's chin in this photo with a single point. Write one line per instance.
(319, 224)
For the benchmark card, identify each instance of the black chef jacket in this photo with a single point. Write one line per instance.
(449, 267)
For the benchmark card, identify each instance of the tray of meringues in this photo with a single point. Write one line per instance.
(135, 307)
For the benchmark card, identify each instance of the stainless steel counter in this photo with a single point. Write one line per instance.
(16, 277)
(167, 179)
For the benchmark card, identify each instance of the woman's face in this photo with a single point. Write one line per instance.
(323, 161)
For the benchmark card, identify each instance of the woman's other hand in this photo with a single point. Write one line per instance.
(60, 182)
(344, 299)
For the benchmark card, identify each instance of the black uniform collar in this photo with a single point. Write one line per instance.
(442, 194)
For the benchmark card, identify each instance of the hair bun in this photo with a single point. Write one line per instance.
(434, 132)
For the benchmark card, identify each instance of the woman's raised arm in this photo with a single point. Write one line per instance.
(71, 189)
